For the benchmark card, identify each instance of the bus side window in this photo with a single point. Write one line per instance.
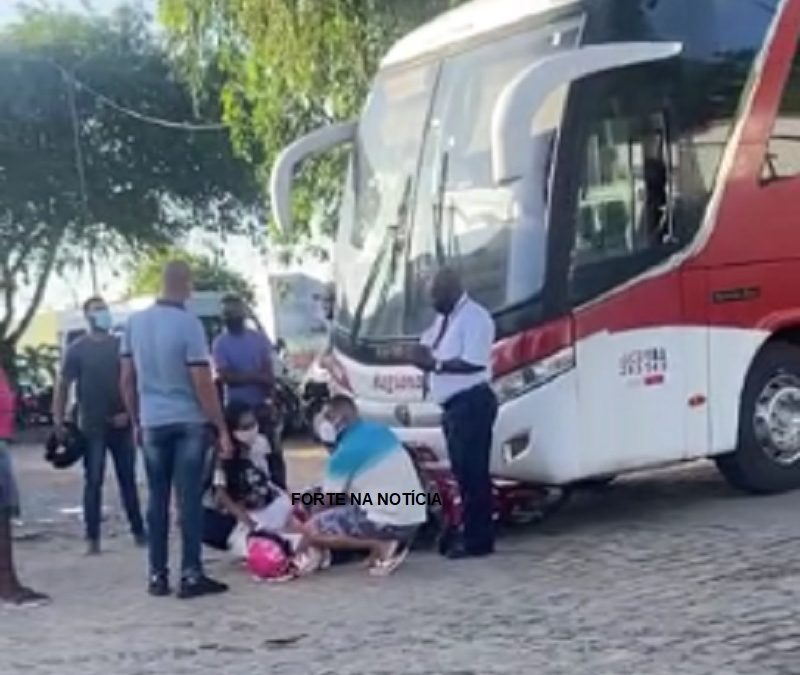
(625, 206)
(623, 200)
(783, 154)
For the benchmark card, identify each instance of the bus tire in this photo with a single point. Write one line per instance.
(767, 456)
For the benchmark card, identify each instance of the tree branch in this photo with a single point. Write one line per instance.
(11, 268)
(31, 241)
(8, 300)
(41, 285)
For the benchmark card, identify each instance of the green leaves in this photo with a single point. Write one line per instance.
(285, 68)
(36, 366)
(101, 149)
(209, 275)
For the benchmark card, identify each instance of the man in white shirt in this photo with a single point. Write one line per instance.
(455, 353)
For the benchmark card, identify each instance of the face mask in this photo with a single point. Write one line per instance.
(235, 324)
(327, 432)
(101, 319)
(246, 436)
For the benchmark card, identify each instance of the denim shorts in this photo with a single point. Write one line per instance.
(352, 521)
(9, 495)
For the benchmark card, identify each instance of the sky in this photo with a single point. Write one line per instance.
(9, 8)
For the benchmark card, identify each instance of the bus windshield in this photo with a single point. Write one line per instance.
(420, 192)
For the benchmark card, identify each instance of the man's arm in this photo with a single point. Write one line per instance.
(423, 359)
(198, 363)
(130, 397)
(206, 392)
(68, 374)
(267, 371)
(127, 383)
(127, 389)
(236, 510)
(460, 367)
(475, 357)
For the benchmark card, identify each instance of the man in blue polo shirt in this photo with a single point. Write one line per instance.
(171, 397)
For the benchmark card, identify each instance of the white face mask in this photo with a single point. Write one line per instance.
(246, 436)
(326, 431)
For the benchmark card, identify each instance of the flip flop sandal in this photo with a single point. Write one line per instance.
(383, 568)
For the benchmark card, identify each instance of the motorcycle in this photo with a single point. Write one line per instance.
(34, 407)
(316, 392)
(288, 408)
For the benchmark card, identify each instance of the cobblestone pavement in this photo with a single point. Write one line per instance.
(670, 572)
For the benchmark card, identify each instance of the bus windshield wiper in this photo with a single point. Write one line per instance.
(439, 206)
(389, 247)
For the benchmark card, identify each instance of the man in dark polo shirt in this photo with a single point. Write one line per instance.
(92, 363)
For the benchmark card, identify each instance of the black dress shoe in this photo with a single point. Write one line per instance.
(197, 587)
(159, 586)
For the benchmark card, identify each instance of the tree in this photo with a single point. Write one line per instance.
(37, 365)
(284, 67)
(208, 275)
(90, 160)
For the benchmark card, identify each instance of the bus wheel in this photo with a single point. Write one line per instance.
(767, 458)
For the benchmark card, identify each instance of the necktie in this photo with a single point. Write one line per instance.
(442, 332)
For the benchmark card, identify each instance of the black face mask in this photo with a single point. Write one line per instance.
(235, 324)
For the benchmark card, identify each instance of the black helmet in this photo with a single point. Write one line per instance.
(64, 455)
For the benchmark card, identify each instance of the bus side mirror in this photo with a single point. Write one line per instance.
(317, 142)
(523, 97)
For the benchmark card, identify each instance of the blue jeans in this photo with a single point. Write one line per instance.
(176, 453)
(119, 443)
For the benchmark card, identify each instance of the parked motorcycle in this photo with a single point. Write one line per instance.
(316, 392)
(34, 407)
(288, 408)
(315, 395)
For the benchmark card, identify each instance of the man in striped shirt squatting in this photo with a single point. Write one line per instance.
(371, 472)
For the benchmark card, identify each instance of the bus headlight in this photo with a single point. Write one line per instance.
(523, 380)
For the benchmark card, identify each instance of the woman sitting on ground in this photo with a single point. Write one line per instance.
(243, 489)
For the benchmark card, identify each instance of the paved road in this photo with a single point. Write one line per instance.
(669, 572)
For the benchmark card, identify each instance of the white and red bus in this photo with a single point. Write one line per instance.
(619, 182)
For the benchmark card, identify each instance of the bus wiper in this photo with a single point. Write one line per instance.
(439, 207)
(388, 246)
